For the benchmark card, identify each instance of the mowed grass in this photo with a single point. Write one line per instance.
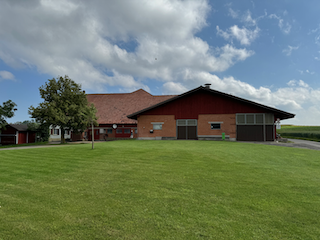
(160, 190)
(300, 132)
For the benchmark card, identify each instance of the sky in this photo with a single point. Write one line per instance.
(264, 51)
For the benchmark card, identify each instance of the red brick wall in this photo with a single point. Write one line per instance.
(145, 125)
(228, 125)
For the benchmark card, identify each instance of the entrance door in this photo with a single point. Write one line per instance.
(187, 129)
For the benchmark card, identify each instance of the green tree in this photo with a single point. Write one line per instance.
(42, 130)
(64, 105)
(6, 111)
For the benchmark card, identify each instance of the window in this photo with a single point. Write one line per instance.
(255, 118)
(157, 125)
(127, 130)
(187, 122)
(241, 119)
(250, 118)
(97, 132)
(109, 131)
(119, 130)
(102, 131)
(136, 131)
(259, 118)
(56, 131)
(215, 126)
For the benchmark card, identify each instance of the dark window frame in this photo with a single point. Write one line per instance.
(215, 126)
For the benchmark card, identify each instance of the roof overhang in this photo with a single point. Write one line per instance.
(278, 113)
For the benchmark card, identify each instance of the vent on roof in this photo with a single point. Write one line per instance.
(207, 85)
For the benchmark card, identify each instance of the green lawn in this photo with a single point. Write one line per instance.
(160, 190)
(23, 145)
(300, 132)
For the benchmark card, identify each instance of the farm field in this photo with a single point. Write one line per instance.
(160, 190)
(300, 132)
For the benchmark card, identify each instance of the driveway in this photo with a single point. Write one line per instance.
(295, 143)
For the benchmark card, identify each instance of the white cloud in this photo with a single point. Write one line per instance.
(284, 26)
(173, 88)
(86, 40)
(232, 13)
(5, 75)
(300, 83)
(243, 35)
(317, 37)
(289, 50)
(248, 19)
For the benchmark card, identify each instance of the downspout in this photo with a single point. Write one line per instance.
(264, 127)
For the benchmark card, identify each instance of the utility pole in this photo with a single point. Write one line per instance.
(92, 134)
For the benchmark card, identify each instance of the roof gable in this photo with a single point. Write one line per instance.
(202, 98)
(114, 107)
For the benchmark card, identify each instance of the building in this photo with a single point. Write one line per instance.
(203, 113)
(55, 134)
(112, 111)
(16, 134)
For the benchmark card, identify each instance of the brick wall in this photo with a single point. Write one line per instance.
(145, 125)
(228, 125)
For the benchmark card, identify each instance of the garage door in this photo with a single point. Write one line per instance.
(255, 127)
(187, 129)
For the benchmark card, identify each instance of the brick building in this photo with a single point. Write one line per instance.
(112, 111)
(203, 113)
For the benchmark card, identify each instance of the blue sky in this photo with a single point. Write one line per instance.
(264, 51)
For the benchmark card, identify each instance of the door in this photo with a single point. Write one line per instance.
(187, 129)
(96, 134)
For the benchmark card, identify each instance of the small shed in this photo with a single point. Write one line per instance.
(16, 134)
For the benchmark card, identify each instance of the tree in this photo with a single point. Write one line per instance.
(64, 105)
(42, 130)
(6, 111)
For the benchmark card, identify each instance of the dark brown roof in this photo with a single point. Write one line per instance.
(279, 113)
(114, 107)
(19, 127)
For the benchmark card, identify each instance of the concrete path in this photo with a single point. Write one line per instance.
(295, 143)
(305, 144)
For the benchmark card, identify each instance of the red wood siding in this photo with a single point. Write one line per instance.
(9, 130)
(8, 140)
(203, 102)
(22, 137)
(31, 137)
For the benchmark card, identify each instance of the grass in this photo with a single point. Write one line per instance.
(300, 132)
(23, 145)
(160, 190)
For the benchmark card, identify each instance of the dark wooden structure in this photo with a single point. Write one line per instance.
(16, 134)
